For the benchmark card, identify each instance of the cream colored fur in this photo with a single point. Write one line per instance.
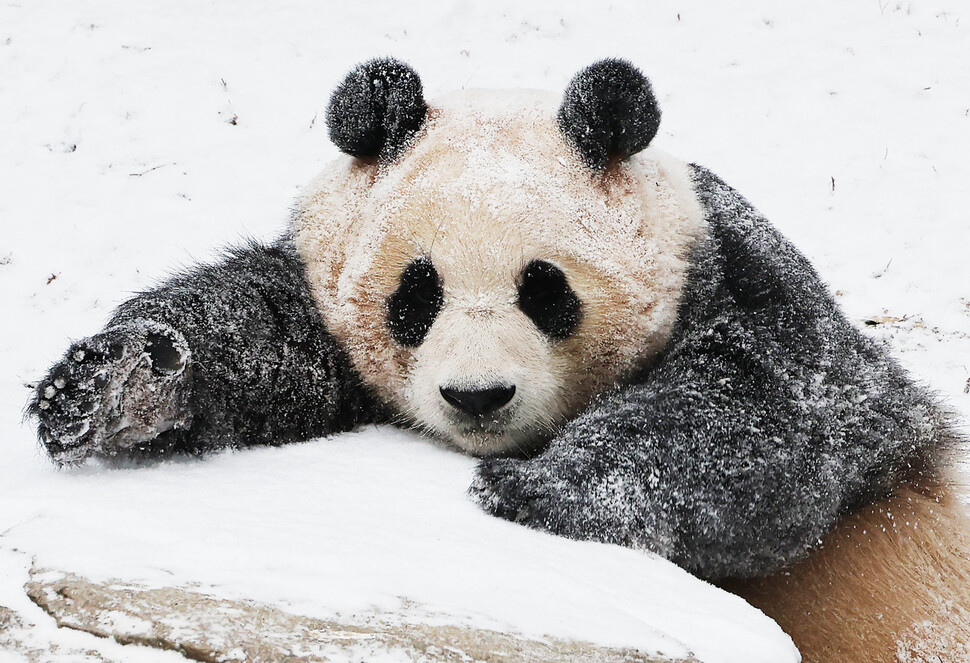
(890, 584)
(488, 186)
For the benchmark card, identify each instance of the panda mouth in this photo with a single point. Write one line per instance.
(491, 436)
(481, 427)
(493, 423)
(479, 435)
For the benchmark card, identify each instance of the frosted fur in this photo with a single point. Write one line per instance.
(768, 418)
(245, 359)
(376, 110)
(490, 185)
(608, 112)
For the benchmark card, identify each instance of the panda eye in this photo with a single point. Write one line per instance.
(413, 307)
(545, 296)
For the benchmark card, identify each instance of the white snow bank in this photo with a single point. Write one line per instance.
(370, 521)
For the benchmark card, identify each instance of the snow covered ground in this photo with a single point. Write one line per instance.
(135, 138)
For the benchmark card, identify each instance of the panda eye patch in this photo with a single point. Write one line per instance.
(413, 307)
(545, 296)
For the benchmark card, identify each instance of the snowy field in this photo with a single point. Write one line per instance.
(136, 138)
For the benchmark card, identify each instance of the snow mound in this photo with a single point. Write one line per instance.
(365, 526)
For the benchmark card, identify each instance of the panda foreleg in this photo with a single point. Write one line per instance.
(229, 354)
(686, 464)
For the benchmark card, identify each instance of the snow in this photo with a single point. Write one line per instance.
(135, 140)
(369, 523)
(47, 637)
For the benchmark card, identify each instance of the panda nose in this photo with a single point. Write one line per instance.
(478, 402)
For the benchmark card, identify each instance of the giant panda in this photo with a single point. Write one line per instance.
(635, 353)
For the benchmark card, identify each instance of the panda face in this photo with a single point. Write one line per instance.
(486, 283)
(487, 369)
(495, 398)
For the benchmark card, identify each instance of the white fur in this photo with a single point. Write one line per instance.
(489, 185)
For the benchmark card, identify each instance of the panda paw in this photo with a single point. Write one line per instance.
(113, 391)
(578, 494)
(532, 493)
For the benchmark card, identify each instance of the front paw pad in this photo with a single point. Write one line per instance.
(111, 391)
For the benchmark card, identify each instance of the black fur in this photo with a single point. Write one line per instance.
(231, 354)
(376, 110)
(413, 307)
(609, 112)
(767, 419)
(545, 296)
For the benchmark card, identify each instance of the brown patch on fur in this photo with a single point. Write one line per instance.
(890, 584)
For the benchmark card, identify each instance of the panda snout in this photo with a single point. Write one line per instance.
(478, 402)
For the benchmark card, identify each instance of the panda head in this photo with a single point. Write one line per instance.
(494, 260)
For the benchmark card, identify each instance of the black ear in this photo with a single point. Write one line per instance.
(377, 109)
(609, 112)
